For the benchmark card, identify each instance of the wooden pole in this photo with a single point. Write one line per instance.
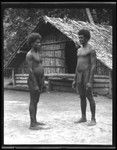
(13, 76)
(89, 15)
(110, 83)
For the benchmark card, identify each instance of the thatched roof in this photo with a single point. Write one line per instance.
(101, 38)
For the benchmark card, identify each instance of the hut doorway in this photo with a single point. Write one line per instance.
(70, 57)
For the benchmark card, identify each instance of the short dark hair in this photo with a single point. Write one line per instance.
(33, 37)
(85, 32)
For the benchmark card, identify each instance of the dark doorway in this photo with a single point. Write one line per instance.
(70, 57)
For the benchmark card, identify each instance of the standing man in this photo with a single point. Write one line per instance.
(83, 80)
(36, 77)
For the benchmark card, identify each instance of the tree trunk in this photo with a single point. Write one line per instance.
(89, 15)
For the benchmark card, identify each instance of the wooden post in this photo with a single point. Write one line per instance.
(49, 85)
(89, 15)
(13, 76)
(110, 83)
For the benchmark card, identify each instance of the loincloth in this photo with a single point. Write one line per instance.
(39, 81)
(82, 77)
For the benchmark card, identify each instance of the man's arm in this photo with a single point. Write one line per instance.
(29, 61)
(75, 78)
(93, 66)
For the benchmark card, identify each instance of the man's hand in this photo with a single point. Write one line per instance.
(74, 85)
(88, 85)
(36, 88)
(44, 88)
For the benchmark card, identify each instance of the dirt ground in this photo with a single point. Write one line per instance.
(58, 110)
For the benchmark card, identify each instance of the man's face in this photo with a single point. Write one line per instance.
(82, 39)
(37, 44)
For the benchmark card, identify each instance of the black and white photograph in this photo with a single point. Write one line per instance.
(58, 74)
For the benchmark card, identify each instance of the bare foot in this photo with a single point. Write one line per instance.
(35, 127)
(40, 123)
(81, 120)
(92, 123)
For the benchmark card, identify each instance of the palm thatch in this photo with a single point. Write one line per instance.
(101, 36)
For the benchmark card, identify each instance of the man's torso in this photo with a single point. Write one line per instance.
(83, 58)
(36, 59)
(83, 63)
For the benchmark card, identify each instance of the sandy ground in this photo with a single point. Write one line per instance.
(58, 111)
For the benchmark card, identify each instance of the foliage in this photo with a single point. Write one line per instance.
(102, 16)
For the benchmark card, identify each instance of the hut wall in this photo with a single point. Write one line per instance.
(53, 49)
(70, 57)
(101, 69)
(53, 55)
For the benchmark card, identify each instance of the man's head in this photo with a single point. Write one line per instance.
(34, 40)
(84, 36)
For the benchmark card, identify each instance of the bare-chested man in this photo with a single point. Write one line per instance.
(86, 62)
(36, 77)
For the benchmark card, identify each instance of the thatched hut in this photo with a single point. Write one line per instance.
(59, 39)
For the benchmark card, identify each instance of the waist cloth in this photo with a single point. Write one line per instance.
(35, 80)
(82, 77)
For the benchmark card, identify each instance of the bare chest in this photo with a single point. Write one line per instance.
(37, 57)
(83, 62)
(83, 51)
(84, 59)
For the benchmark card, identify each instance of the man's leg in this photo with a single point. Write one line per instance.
(89, 95)
(37, 96)
(34, 98)
(82, 93)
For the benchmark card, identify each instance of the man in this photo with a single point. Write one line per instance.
(83, 80)
(36, 77)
